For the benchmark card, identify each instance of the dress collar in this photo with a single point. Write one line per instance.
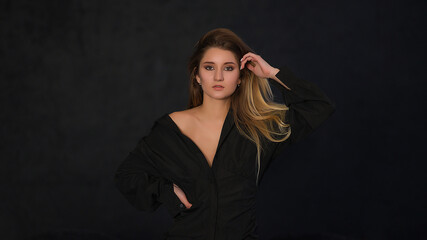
(166, 120)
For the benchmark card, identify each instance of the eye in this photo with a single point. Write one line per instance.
(209, 68)
(229, 68)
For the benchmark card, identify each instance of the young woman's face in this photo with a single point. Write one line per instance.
(218, 73)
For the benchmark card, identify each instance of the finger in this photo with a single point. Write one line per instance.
(252, 60)
(251, 67)
(249, 54)
(187, 203)
(243, 64)
(252, 63)
(246, 60)
(253, 57)
(182, 197)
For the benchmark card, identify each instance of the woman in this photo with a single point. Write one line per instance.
(204, 163)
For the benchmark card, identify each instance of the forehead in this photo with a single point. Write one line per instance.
(218, 55)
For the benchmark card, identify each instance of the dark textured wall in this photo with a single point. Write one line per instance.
(82, 81)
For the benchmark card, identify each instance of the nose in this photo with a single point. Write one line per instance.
(218, 75)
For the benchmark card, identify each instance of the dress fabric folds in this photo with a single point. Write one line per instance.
(223, 196)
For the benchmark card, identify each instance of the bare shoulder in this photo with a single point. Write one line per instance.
(184, 119)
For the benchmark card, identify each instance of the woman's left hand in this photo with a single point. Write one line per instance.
(258, 66)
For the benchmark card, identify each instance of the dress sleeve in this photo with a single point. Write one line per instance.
(308, 106)
(140, 181)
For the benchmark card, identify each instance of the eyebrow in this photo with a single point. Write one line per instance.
(224, 63)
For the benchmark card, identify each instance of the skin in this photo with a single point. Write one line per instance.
(203, 124)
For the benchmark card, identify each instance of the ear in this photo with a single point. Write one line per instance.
(198, 78)
(240, 81)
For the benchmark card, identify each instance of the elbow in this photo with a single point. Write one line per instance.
(136, 191)
(331, 109)
(328, 111)
(321, 115)
(119, 180)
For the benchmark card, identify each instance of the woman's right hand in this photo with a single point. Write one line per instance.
(181, 195)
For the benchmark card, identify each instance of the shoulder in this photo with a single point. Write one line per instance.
(164, 128)
(178, 115)
(184, 119)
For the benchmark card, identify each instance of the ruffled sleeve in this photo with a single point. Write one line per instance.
(308, 106)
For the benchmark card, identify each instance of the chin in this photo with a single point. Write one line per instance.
(220, 96)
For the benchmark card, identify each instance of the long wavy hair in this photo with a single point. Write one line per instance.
(255, 114)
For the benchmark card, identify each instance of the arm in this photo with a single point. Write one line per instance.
(308, 105)
(141, 183)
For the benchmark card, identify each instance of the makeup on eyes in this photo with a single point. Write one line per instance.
(230, 67)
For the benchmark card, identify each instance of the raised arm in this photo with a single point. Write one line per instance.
(308, 105)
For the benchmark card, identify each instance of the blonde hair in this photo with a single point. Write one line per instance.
(256, 115)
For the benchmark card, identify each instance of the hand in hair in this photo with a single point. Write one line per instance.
(260, 67)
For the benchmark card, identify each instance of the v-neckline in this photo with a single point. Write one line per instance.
(224, 131)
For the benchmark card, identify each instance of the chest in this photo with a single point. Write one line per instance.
(206, 138)
(186, 153)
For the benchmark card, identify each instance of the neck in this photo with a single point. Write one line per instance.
(214, 109)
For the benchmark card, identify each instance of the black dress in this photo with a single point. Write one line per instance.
(223, 196)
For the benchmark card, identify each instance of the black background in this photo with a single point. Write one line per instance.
(82, 81)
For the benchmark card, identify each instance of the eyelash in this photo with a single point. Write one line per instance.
(209, 68)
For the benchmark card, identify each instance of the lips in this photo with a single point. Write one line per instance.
(218, 86)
